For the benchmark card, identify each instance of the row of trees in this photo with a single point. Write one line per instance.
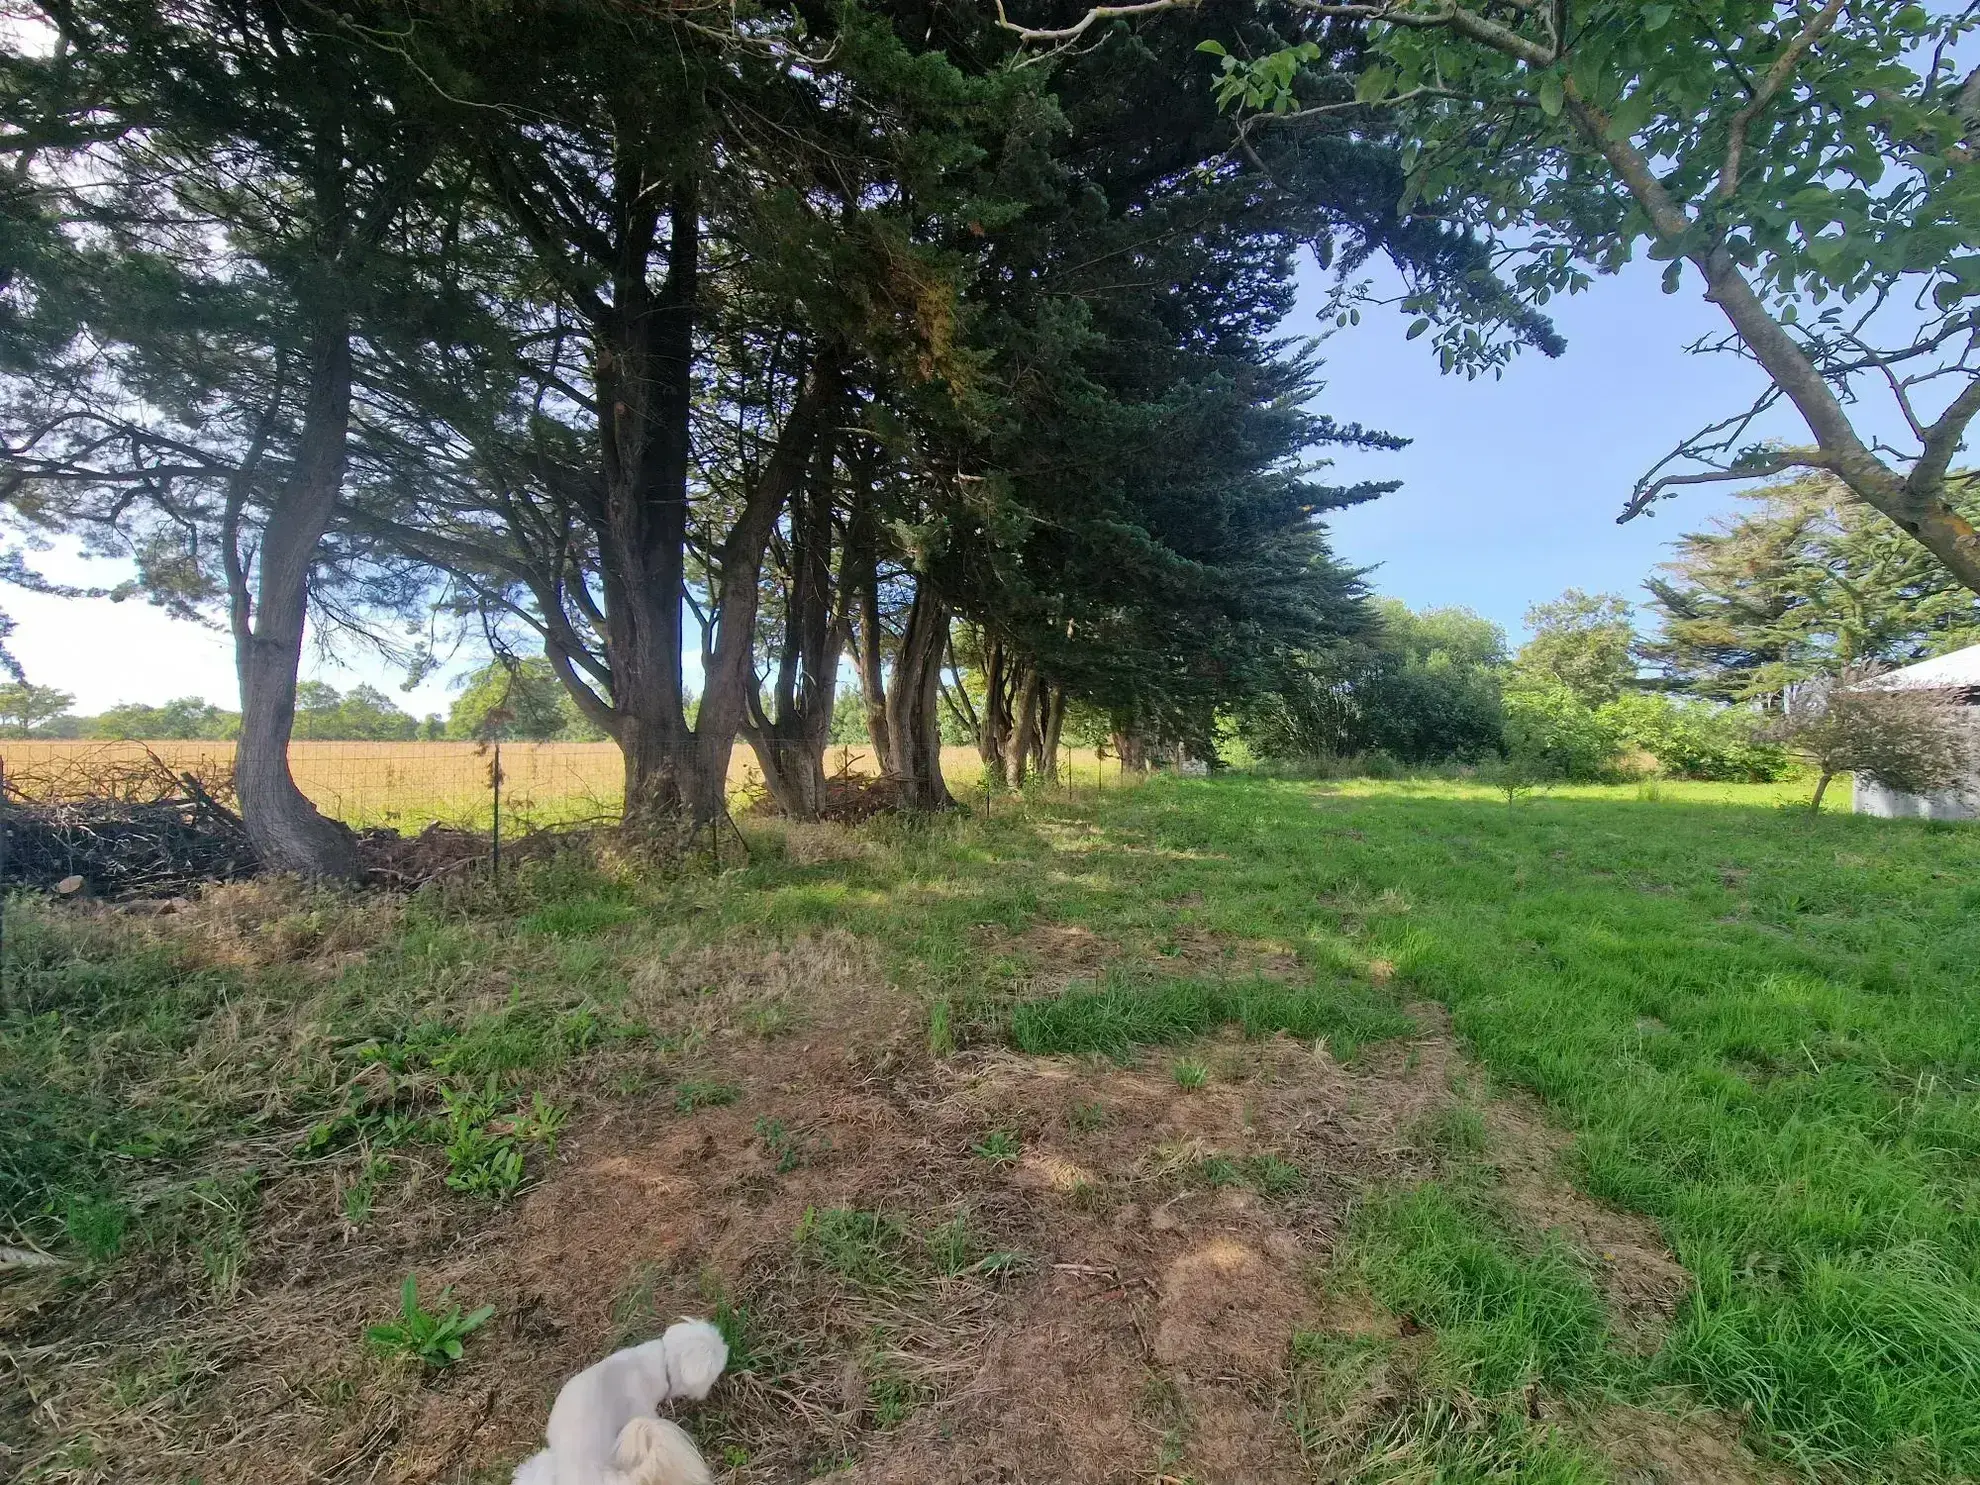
(774, 336)
(1443, 686)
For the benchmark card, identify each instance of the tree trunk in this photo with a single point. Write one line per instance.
(789, 741)
(729, 670)
(643, 368)
(1055, 721)
(288, 832)
(994, 727)
(862, 564)
(1024, 734)
(1821, 788)
(643, 364)
(914, 721)
(1132, 748)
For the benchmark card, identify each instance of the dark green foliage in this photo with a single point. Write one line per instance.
(1423, 687)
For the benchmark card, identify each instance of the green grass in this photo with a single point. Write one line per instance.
(141, 1064)
(1360, 1414)
(1505, 1313)
(1268, 1175)
(1760, 1025)
(1116, 1017)
(1762, 1028)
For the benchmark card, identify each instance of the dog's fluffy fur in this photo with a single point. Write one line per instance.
(602, 1429)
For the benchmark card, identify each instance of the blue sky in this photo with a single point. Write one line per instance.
(1510, 490)
(1511, 487)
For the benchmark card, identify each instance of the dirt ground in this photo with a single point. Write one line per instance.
(1051, 1285)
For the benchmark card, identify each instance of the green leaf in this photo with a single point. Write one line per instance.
(1417, 329)
(1551, 95)
(1672, 276)
(1213, 48)
(1373, 85)
(1656, 17)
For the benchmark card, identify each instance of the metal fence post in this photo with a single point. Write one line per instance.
(495, 838)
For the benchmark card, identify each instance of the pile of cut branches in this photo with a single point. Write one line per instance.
(139, 829)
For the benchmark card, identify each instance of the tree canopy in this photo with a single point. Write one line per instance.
(651, 337)
(1802, 582)
(1809, 165)
(1585, 642)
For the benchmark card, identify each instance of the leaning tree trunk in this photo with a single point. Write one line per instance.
(914, 723)
(287, 831)
(993, 731)
(1022, 744)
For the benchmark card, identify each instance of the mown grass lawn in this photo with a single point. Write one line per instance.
(1762, 1029)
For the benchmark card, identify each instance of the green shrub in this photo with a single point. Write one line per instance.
(1552, 734)
(1696, 740)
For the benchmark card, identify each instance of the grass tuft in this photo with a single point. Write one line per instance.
(1505, 1314)
(1115, 1018)
(866, 1249)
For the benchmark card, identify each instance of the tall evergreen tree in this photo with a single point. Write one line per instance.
(1803, 582)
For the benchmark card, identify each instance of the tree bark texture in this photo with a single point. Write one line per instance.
(287, 831)
(914, 724)
(789, 739)
(676, 775)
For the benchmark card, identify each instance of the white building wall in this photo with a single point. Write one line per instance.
(1873, 798)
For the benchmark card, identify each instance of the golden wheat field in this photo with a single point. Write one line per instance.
(408, 785)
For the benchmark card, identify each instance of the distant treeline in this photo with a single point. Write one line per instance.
(532, 706)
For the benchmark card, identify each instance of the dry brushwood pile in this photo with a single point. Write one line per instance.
(120, 828)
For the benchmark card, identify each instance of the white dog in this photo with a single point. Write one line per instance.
(602, 1429)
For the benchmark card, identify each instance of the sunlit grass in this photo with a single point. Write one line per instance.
(1760, 1026)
